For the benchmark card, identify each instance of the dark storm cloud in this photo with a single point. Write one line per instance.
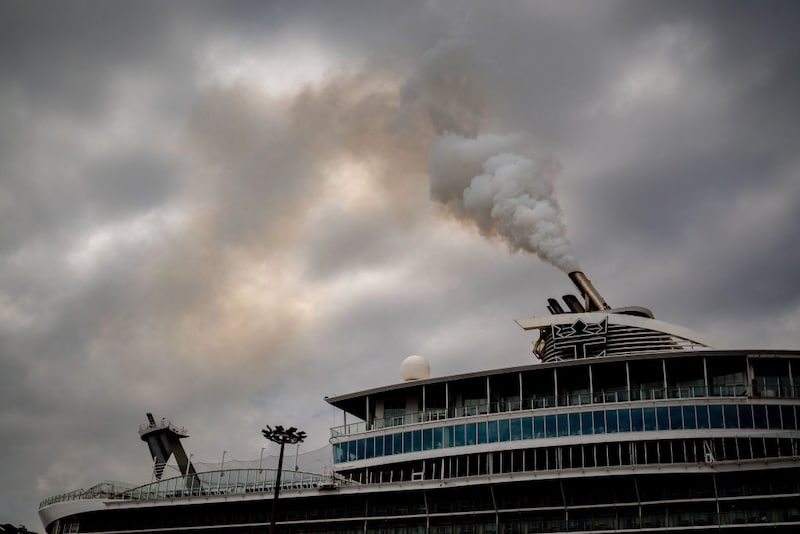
(193, 228)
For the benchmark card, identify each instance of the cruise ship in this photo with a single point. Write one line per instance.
(622, 423)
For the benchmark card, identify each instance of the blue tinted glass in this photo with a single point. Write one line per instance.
(337, 453)
(516, 429)
(416, 440)
(505, 431)
(611, 421)
(731, 419)
(370, 452)
(379, 446)
(746, 416)
(492, 431)
(715, 416)
(637, 420)
(774, 416)
(469, 433)
(459, 435)
(397, 443)
(587, 424)
(351, 451)
(787, 414)
(689, 419)
(675, 417)
(437, 438)
(360, 449)
(527, 427)
(482, 437)
(448, 439)
(662, 418)
(550, 425)
(538, 426)
(407, 445)
(562, 424)
(599, 422)
(427, 439)
(574, 424)
(760, 416)
(624, 418)
(649, 418)
(702, 417)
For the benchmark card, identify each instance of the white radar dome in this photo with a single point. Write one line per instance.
(415, 368)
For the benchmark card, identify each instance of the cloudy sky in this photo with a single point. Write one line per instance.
(221, 213)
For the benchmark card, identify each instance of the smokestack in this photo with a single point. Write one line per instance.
(594, 301)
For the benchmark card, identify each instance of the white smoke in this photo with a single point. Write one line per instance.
(488, 181)
(492, 180)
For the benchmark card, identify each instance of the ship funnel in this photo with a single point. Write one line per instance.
(594, 301)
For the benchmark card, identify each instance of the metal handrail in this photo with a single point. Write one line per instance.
(219, 482)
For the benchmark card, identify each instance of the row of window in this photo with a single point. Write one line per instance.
(744, 416)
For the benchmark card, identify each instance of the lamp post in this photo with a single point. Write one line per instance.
(281, 436)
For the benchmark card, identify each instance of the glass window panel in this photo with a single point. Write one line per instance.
(689, 419)
(662, 417)
(338, 456)
(774, 416)
(746, 416)
(760, 416)
(538, 426)
(407, 445)
(550, 425)
(470, 432)
(611, 421)
(427, 439)
(370, 452)
(787, 414)
(587, 423)
(379, 441)
(637, 420)
(624, 419)
(438, 435)
(599, 422)
(702, 417)
(492, 431)
(527, 427)
(650, 418)
(459, 435)
(715, 416)
(575, 424)
(516, 429)
(676, 417)
(482, 435)
(731, 419)
(504, 430)
(448, 436)
(562, 424)
(360, 449)
(416, 440)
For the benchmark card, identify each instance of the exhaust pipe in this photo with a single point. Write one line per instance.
(594, 301)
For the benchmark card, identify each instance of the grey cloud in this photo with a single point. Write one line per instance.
(215, 316)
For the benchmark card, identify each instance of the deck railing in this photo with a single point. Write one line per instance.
(221, 482)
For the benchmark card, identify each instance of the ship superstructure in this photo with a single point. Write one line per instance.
(626, 423)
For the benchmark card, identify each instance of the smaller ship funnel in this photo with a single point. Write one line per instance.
(594, 301)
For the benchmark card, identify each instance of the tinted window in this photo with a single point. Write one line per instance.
(731, 419)
(746, 416)
(470, 433)
(689, 419)
(550, 425)
(611, 421)
(715, 416)
(624, 419)
(649, 418)
(637, 421)
(676, 417)
(575, 424)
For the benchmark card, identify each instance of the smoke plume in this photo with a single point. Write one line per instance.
(490, 180)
